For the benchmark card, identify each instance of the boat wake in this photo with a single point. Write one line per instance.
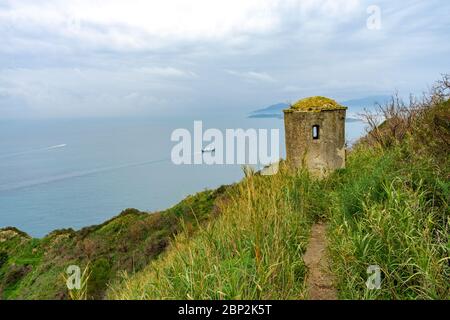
(21, 153)
(56, 147)
(76, 174)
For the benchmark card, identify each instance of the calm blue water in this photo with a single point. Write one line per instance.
(74, 173)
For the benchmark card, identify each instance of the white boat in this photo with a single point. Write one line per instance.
(209, 149)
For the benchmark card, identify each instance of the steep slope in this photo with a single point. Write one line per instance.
(34, 268)
(253, 250)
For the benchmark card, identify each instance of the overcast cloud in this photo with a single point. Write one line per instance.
(83, 58)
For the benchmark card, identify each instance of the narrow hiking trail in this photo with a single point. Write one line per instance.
(319, 281)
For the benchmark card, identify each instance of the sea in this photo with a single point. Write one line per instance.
(60, 173)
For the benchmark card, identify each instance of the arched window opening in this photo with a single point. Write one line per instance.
(315, 132)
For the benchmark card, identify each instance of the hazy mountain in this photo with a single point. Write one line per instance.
(355, 106)
(365, 103)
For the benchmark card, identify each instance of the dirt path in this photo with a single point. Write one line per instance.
(319, 281)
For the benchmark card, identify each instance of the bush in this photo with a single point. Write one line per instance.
(426, 120)
(3, 258)
(99, 277)
(15, 274)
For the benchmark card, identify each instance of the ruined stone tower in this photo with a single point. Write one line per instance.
(315, 135)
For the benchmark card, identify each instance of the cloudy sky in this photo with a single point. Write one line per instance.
(82, 58)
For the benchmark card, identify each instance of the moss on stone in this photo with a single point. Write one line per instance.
(315, 104)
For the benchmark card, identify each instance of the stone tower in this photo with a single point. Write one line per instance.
(315, 135)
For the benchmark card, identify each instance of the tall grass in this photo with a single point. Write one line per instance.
(252, 251)
(80, 293)
(389, 213)
(388, 208)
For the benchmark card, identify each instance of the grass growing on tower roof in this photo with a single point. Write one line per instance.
(316, 104)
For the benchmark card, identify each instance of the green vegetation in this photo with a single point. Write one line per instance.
(34, 268)
(253, 250)
(80, 293)
(316, 104)
(389, 208)
(388, 212)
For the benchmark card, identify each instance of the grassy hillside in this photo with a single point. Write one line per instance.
(253, 250)
(34, 268)
(389, 208)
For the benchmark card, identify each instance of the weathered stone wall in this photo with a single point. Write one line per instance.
(319, 156)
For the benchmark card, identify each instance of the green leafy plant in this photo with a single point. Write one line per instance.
(82, 292)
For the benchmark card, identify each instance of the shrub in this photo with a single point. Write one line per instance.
(99, 277)
(3, 258)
